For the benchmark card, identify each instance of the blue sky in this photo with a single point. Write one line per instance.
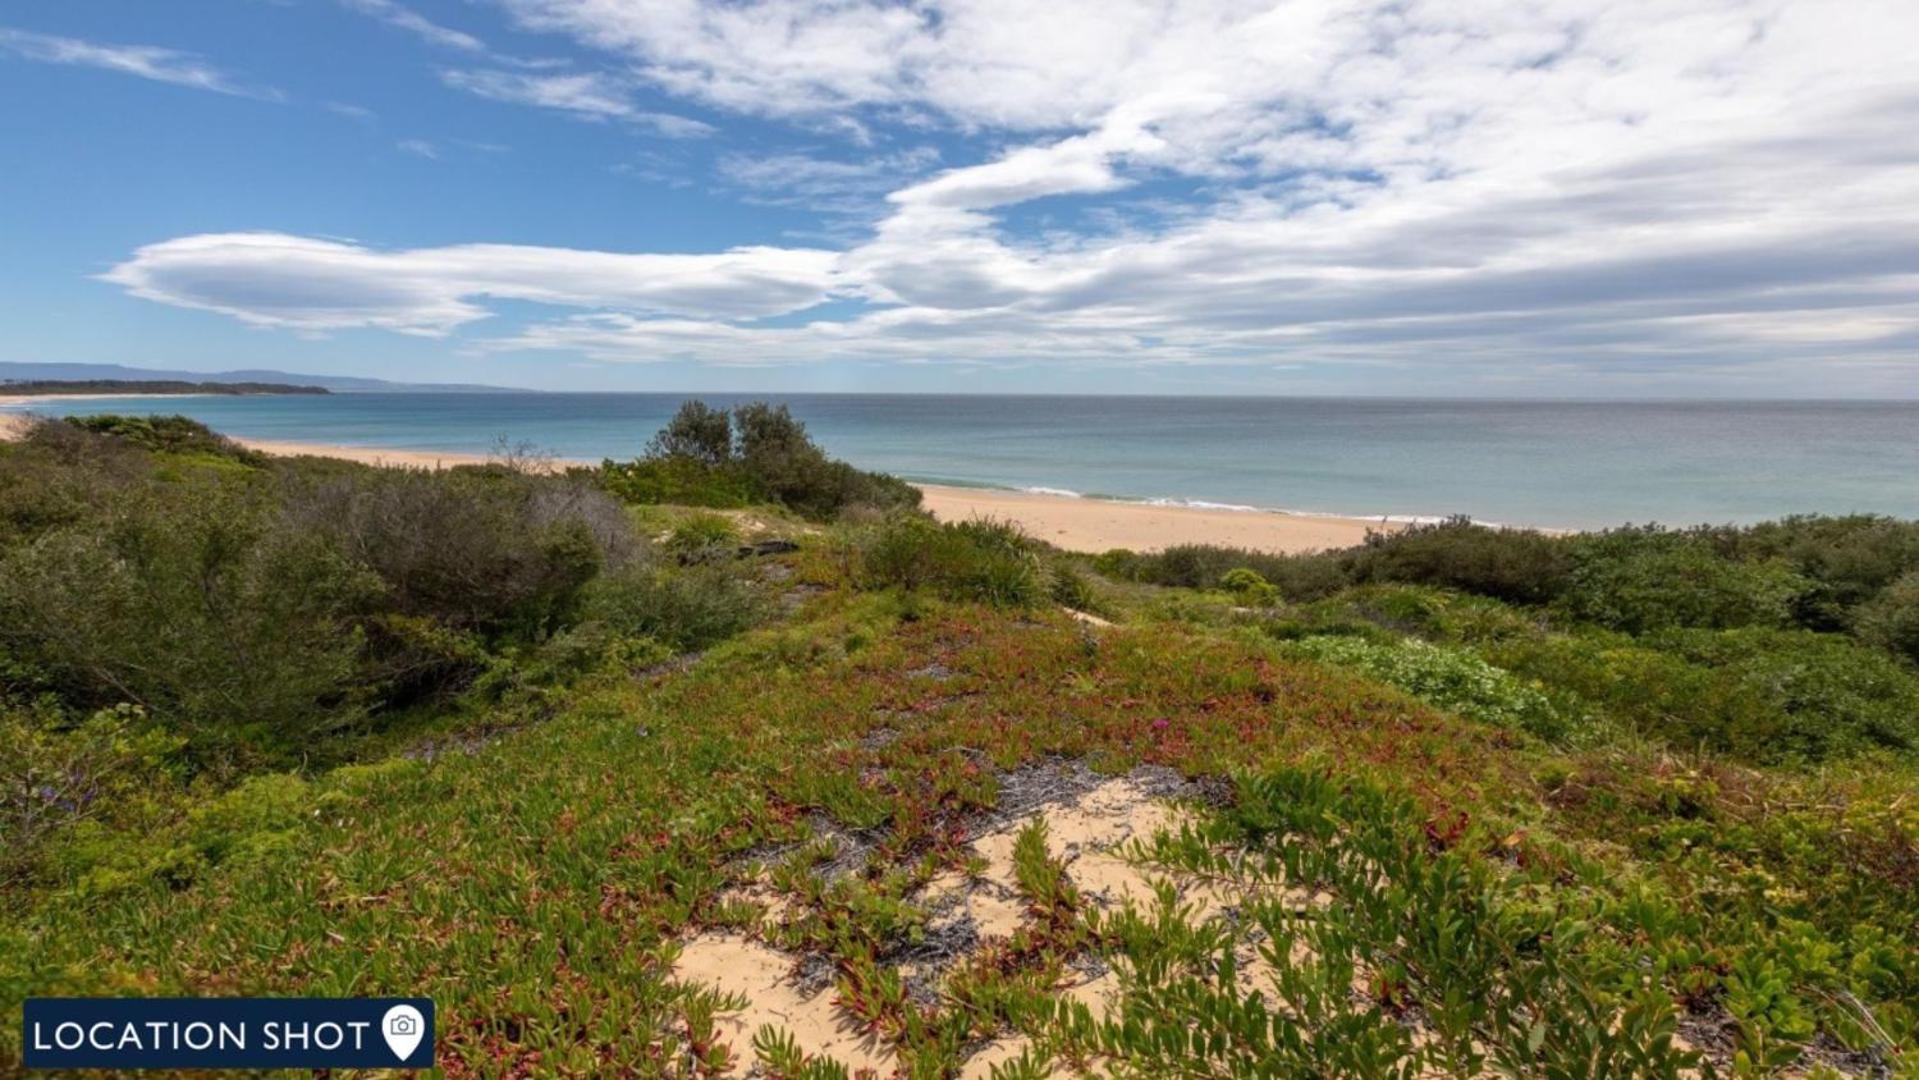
(1580, 197)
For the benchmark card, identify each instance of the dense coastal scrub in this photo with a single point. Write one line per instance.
(541, 745)
(1855, 575)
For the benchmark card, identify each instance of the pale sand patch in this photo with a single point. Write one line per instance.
(366, 455)
(1083, 833)
(980, 1065)
(763, 976)
(13, 425)
(1086, 837)
(1095, 525)
(995, 909)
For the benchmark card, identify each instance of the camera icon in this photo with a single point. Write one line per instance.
(403, 1028)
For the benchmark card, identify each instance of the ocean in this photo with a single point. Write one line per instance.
(1553, 464)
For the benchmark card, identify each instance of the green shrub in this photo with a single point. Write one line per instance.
(1515, 565)
(688, 608)
(758, 453)
(703, 538)
(57, 474)
(986, 561)
(1249, 587)
(1446, 678)
(500, 554)
(1072, 589)
(1847, 560)
(111, 769)
(1121, 564)
(1640, 580)
(1891, 619)
(1434, 614)
(1828, 696)
(1202, 566)
(678, 481)
(228, 626)
(1762, 695)
(167, 435)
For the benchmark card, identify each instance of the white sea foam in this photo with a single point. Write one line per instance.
(1202, 504)
(1243, 508)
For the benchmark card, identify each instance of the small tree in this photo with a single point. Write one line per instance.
(698, 432)
(772, 442)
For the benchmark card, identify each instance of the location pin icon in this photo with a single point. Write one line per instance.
(403, 1027)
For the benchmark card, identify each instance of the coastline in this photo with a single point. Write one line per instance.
(1070, 522)
(1065, 521)
(14, 401)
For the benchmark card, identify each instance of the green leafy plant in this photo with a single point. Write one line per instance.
(703, 538)
(1448, 678)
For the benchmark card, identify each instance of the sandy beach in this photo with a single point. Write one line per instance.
(1095, 525)
(12, 424)
(1090, 525)
(369, 455)
(13, 400)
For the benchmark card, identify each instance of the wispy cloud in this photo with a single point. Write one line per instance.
(855, 186)
(414, 23)
(419, 148)
(586, 95)
(145, 61)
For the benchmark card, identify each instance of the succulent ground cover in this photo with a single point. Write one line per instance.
(943, 839)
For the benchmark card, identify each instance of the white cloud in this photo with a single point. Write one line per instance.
(588, 95)
(835, 185)
(418, 148)
(350, 111)
(145, 61)
(414, 23)
(1472, 184)
(300, 283)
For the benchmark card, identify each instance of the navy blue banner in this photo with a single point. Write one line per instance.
(228, 1033)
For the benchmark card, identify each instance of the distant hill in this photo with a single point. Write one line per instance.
(70, 387)
(11, 372)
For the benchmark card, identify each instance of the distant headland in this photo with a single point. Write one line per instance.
(119, 387)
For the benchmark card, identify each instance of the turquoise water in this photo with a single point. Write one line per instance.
(1566, 464)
